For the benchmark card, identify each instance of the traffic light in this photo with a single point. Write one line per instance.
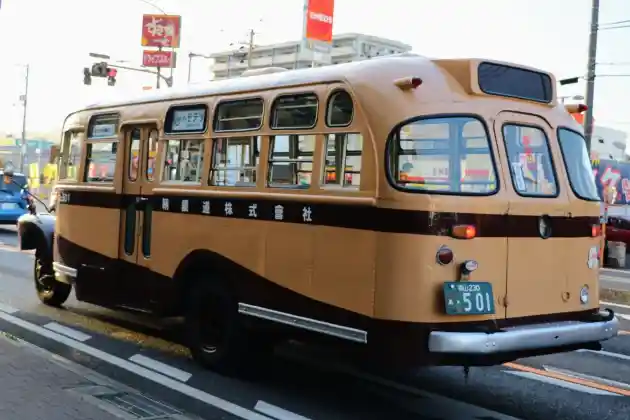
(111, 76)
(99, 69)
(87, 76)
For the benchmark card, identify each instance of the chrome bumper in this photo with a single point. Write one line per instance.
(523, 338)
(62, 272)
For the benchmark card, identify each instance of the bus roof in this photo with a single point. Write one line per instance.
(443, 78)
(289, 78)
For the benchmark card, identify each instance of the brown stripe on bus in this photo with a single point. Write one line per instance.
(349, 216)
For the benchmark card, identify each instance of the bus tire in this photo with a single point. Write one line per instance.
(49, 291)
(216, 337)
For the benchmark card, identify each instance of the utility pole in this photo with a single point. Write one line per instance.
(250, 48)
(590, 76)
(25, 103)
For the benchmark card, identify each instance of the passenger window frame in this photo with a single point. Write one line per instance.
(344, 156)
(492, 147)
(579, 196)
(86, 164)
(165, 152)
(270, 161)
(255, 153)
(296, 94)
(329, 103)
(215, 114)
(551, 159)
(63, 160)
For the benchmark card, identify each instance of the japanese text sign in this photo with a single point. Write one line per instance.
(161, 31)
(319, 20)
(153, 58)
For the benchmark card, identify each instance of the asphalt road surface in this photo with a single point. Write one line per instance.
(302, 384)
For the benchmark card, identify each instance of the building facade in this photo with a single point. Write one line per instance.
(608, 143)
(293, 55)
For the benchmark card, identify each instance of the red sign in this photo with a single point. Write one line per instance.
(152, 58)
(161, 30)
(319, 20)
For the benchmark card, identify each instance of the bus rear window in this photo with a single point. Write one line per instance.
(578, 164)
(449, 155)
(531, 166)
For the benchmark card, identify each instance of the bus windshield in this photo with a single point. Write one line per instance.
(578, 165)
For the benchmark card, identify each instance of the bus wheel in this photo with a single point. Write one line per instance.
(216, 338)
(49, 291)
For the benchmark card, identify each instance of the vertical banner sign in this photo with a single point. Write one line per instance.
(161, 31)
(319, 20)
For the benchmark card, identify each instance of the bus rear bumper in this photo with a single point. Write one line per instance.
(525, 338)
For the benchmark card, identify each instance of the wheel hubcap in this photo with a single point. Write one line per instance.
(39, 277)
(211, 332)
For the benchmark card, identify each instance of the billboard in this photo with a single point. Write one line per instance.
(161, 31)
(156, 58)
(319, 20)
(615, 174)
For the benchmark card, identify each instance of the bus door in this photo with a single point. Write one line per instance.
(136, 216)
(536, 277)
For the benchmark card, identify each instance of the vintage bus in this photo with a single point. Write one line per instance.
(218, 204)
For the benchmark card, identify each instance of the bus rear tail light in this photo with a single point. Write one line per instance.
(576, 108)
(407, 83)
(464, 231)
(444, 255)
(596, 230)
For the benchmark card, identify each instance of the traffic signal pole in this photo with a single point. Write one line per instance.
(166, 79)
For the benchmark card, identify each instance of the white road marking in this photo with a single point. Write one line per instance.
(8, 309)
(160, 379)
(606, 353)
(624, 316)
(152, 364)
(591, 378)
(67, 331)
(561, 383)
(619, 305)
(277, 412)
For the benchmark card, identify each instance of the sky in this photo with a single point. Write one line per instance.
(56, 36)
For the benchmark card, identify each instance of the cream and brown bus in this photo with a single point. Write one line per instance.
(421, 211)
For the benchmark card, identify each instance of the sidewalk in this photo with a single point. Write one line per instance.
(37, 385)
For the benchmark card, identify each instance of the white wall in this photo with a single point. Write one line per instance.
(609, 143)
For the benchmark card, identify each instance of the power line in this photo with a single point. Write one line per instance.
(613, 27)
(614, 23)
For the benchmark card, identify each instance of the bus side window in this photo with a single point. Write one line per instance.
(343, 160)
(70, 155)
(151, 155)
(340, 110)
(100, 161)
(235, 160)
(183, 160)
(291, 161)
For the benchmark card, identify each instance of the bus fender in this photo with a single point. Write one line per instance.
(201, 264)
(36, 232)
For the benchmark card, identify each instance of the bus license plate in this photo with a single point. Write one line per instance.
(468, 298)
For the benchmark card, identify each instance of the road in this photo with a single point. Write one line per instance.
(303, 383)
